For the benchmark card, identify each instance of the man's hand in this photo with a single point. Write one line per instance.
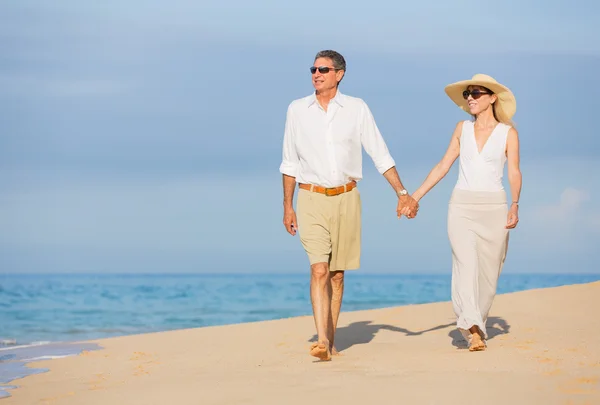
(407, 206)
(513, 217)
(290, 221)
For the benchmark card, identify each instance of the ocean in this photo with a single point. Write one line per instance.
(42, 315)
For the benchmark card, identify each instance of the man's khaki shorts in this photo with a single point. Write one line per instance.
(330, 228)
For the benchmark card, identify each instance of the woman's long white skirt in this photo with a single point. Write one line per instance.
(479, 241)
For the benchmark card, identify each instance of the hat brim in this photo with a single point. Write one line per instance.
(506, 98)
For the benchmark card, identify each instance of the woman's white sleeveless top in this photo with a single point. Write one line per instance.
(482, 171)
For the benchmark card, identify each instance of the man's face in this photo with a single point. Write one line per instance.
(325, 81)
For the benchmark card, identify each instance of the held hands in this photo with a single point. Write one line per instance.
(407, 206)
(289, 221)
(513, 217)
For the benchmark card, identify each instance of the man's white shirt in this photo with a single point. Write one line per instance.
(324, 148)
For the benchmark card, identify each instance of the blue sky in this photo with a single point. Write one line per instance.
(146, 136)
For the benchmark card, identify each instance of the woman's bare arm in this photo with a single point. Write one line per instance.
(441, 169)
(514, 176)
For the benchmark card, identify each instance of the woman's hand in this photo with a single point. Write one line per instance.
(513, 216)
(407, 206)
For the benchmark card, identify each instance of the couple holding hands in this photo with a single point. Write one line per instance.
(322, 154)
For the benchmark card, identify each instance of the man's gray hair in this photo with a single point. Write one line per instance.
(339, 63)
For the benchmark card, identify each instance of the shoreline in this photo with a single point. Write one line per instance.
(354, 300)
(542, 347)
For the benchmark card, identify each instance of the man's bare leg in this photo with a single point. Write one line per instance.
(320, 296)
(337, 292)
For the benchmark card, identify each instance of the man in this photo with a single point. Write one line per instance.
(322, 153)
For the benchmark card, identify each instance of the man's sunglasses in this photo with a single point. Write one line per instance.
(321, 69)
(474, 93)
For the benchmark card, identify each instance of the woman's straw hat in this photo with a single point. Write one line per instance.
(506, 99)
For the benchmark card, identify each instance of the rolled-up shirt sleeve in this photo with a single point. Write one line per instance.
(290, 161)
(373, 142)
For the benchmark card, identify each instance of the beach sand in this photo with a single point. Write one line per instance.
(544, 349)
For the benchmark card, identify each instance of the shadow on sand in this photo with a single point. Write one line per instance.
(495, 326)
(363, 332)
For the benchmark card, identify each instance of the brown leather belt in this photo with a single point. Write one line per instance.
(328, 191)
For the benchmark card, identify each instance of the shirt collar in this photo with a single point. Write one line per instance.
(339, 98)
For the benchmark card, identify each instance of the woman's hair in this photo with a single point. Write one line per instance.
(499, 113)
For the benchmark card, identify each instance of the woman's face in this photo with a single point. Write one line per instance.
(478, 98)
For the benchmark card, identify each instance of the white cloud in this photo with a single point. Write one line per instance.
(559, 213)
(569, 225)
(572, 209)
(571, 206)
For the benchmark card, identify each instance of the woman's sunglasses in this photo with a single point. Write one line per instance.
(474, 93)
(321, 69)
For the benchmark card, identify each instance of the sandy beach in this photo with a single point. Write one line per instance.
(544, 349)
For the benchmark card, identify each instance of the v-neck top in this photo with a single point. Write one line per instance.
(482, 171)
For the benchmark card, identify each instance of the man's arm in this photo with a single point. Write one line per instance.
(375, 145)
(392, 176)
(405, 202)
(376, 148)
(289, 169)
(289, 216)
(289, 184)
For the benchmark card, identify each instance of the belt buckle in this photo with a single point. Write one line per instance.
(328, 189)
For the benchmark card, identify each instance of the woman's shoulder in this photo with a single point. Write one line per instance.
(465, 124)
(460, 125)
(508, 129)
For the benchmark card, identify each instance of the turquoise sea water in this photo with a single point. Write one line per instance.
(41, 308)
(41, 314)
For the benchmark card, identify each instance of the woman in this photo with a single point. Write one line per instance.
(478, 214)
